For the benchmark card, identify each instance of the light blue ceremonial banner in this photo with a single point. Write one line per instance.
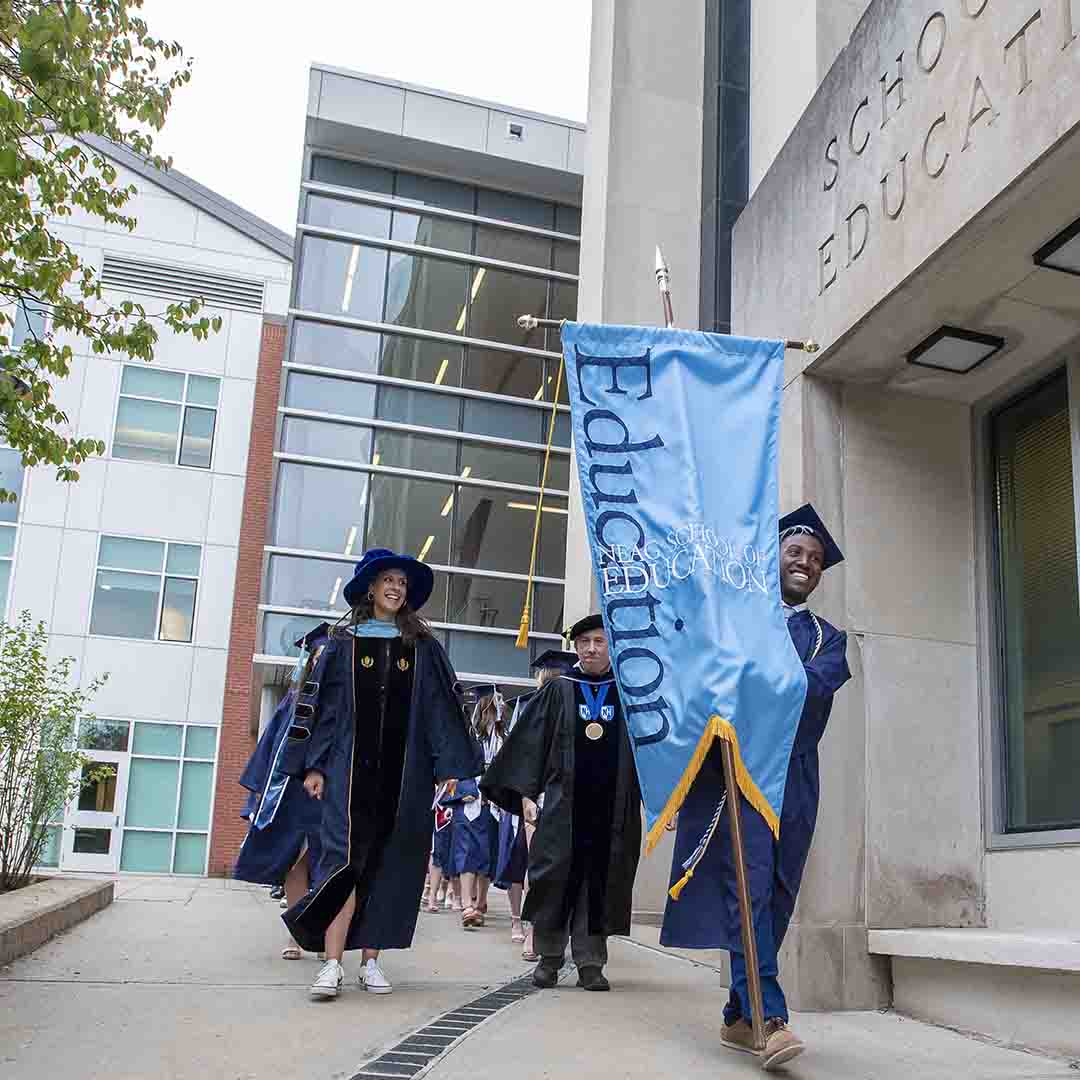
(676, 437)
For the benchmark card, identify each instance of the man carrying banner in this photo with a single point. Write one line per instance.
(706, 913)
(571, 745)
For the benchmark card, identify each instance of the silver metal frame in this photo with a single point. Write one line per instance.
(412, 384)
(394, 202)
(376, 327)
(446, 254)
(503, 575)
(330, 614)
(410, 429)
(414, 474)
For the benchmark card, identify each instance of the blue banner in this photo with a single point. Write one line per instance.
(676, 437)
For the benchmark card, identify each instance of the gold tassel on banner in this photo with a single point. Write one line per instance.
(526, 612)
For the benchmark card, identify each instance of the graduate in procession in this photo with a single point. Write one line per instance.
(475, 827)
(571, 745)
(515, 832)
(282, 844)
(706, 916)
(375, 728)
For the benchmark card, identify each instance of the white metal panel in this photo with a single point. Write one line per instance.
(156, 501)
(540, 143)
(161, 216)
(242, 347)
(576, 156)
(276, 297)
(213, 609)
(226, 506)
(207, 686)
(33, 583)
(441, 120)
(62, 647)
(361, 103)
(75, 582)
(147, 680)
(85, 497)
(100, 387)
(233, 426)
(44, 499)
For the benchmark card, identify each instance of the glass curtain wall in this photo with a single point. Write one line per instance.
(415, 412)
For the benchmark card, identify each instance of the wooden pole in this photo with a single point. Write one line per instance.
(746, 916)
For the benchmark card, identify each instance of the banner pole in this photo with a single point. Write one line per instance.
(750, 954)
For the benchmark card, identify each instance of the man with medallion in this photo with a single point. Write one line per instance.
(571, 745)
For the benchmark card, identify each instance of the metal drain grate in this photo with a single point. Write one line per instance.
(419, 1051)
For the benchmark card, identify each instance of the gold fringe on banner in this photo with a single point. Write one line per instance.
(526, 612)
(717, 728)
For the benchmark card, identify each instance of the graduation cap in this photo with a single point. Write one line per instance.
(556, 659)
(584, 626)
(805, 522)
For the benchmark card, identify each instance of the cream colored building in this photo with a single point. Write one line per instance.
(910, 178)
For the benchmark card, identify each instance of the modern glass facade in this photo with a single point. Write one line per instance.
(414, 410)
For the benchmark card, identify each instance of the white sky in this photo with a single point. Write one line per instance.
(238, 126)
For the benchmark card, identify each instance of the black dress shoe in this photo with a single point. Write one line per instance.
(546, 974)
(592, 978)
(277, 892)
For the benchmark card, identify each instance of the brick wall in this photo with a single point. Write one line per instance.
(241, 696)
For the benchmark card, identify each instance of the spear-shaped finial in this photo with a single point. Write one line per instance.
(663, 281)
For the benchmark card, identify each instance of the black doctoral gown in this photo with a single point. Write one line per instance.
(539, 756)
(379, 719)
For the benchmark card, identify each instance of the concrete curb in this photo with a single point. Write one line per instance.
(30, 916)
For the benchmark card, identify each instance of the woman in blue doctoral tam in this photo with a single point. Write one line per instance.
(282, 844)
(706, 915)
(376, 727)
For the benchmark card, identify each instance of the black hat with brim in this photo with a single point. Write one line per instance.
(806, 521)
(420, 577)
(556, 659)
(583, 626)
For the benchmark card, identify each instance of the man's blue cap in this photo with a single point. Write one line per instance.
(805, 521)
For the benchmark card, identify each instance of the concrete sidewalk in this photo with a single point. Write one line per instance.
(183, 980)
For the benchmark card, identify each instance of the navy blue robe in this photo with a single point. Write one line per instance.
(388, 870)
(277, 836)
(706, 915)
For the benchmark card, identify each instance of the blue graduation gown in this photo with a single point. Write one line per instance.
(706, 915)
(387, 871)
(283, 816)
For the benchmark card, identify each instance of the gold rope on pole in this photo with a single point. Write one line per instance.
(526, 612)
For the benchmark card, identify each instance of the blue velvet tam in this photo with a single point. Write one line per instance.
(421, 579)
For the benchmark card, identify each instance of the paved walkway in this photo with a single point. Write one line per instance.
(182, 980)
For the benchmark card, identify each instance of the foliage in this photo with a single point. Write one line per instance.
(41, 768)
(71, 69)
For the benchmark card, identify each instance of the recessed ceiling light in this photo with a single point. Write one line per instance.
(950, 348)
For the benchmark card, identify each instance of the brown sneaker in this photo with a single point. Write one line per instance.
(781, 1044)
(739, 1036)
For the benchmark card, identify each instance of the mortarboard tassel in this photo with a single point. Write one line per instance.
(522, 641)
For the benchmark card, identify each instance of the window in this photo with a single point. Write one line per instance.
(145, 589)
(1039, 608)
(29, 322)
(166, 416)
(167, 815)
(11, 479)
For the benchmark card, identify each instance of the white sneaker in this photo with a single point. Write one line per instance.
(328, 982)
(373, 980)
